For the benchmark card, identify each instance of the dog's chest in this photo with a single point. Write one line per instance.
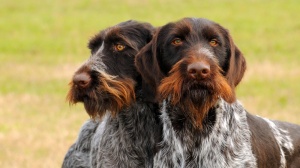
(226, 144)
(129, 139)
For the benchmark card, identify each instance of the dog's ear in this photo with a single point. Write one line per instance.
(150, 30)
(141, 32)
(147, 65)
(237, 65)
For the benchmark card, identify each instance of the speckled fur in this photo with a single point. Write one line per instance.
(227, 143)
(284, 141)
(129, 140)
(79, 153)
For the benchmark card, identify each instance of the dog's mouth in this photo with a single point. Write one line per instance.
(194, 97)
(194, 94)
(197, 90)
(97, 106)
(104, 93)
(195, 85)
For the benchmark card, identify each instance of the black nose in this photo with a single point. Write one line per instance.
(198, 70)
(82, 79)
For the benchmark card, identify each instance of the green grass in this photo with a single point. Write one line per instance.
(44, 42)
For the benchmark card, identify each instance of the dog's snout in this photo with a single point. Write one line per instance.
(82, 79)
(198, 70)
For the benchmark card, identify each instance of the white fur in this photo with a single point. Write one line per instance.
(207, 53)
(283, 139)
(96, 60)
(228, 144)
(96, 140)
(171, 140)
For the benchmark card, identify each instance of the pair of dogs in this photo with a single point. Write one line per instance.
(164, 97)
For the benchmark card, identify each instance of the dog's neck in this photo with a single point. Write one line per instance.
(131, 137)
(181, 122)
(139, 90)
(225, 135)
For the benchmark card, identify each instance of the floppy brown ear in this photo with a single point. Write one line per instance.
(147, 65)
(237, 65)
(150, 31)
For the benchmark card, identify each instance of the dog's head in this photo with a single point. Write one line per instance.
(107, 80)
(193, 61)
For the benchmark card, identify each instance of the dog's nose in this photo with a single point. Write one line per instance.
(198, 70)
(82, 80)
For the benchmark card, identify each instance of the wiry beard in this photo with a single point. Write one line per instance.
(197, 100)
(195, 97)
(107, 94)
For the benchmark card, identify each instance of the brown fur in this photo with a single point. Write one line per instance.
(108, 80)
(148, 60)
(163, 66)
(174, 85)
(237, 66)
(120, 92)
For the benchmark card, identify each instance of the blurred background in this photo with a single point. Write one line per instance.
(43, 42)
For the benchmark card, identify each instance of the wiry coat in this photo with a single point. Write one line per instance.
(194, 67)
(111, 89)
(78, 155)
(224, 142)
(129, 139)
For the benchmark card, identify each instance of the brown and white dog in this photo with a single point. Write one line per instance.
(193, 67)
(109, 86)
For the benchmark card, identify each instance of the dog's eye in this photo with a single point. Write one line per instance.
(213, 42)
(177, 42)
(119, 47)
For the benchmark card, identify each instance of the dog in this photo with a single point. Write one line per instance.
(108, 84)
(193, 67)
(78, 155)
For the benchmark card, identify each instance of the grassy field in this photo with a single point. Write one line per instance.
(43, 42)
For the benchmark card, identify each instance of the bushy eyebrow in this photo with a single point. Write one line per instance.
(95, 41)
(181, 29)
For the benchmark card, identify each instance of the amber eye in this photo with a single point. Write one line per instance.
(213, 42)
(119, 47)
(177, 42)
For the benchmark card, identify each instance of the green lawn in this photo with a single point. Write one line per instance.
(44, 42)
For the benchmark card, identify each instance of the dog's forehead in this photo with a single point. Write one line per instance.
(111, 31)
(204, 26)
(191, 26)
(112, 36)
(122, 29)
(114, 31)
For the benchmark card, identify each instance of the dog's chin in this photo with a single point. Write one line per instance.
(96, 107)
(97, 101)
(198, 97)
(198, 91)
(92, 101)
(76, 95)
(97, 104)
